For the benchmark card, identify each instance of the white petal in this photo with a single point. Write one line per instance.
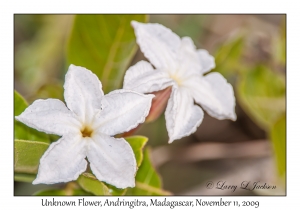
(158, 43)
(189, 63)
(182, 116)
(144, 79)
(64, 161)
(83, 92)
(50, 116)
(215, 95)
(112, 160)
(192, 61)
(207, 61)
(125, 109)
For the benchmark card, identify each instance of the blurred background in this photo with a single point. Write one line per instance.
(249, 50)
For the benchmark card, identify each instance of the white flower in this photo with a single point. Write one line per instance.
(86, 127)
(180, 65)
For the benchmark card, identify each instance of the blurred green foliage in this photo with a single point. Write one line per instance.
(258, 76)
(262, 95)
(53, 89)
(104, 44)
(278, 137)
(41, 55)
(228, 57)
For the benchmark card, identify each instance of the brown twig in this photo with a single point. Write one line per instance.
(209, 151)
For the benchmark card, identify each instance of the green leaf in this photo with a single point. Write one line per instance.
(27, 155)
(56, 192)
(104, 44)
(81, 192)
(137, 143)
(228, 56)
(147, 180)
(71, 189)
(21, 177)
(278, 137)
(49, 192)
(261, 94)
(91, 184)
(116, 191)
(50, 90)
(22, 131)
(20, 104)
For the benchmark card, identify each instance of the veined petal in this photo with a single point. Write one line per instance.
(207, 61)
(112, 160)
(83, 92)
(63, 161)
(124, 110)
(215, 95)
(158, 43)
(182, 116)
(50, 116)
(144, 79)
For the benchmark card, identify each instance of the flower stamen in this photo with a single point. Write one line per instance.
(86, 131)
(176, 79)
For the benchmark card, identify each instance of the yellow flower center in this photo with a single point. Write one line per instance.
(86, 131)
(176, 79)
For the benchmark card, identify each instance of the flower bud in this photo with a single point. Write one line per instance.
(159, 103)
